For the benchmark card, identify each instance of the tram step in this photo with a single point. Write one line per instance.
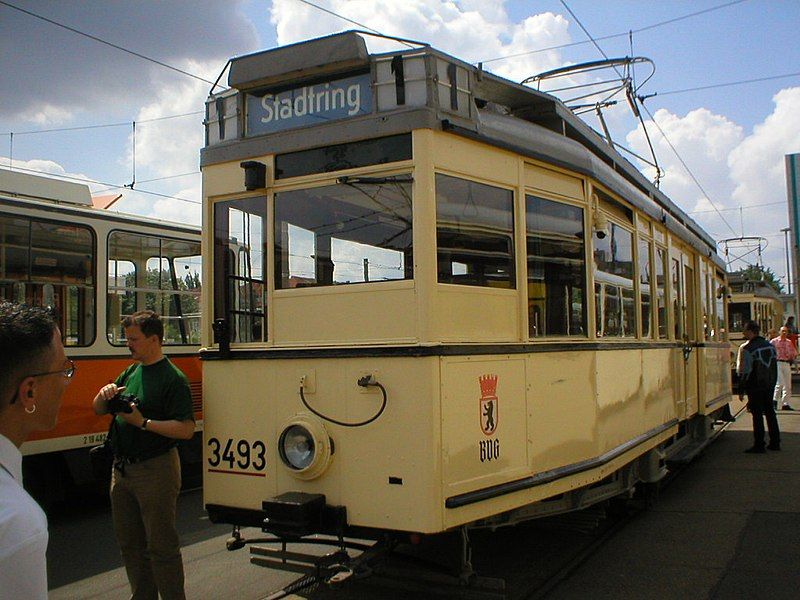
(688, 453)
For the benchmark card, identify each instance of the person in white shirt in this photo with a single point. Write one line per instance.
(787, 354)
(34, 373)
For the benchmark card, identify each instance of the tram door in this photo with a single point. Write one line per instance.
(686, 332)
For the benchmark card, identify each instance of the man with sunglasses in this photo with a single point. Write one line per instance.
(34, 373)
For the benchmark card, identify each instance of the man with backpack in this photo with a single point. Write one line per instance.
(757, 366)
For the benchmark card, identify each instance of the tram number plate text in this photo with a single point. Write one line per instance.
(490, 449)
(243, 454)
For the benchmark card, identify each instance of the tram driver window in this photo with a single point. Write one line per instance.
(474, 233)
(615, 304)
(556, 268)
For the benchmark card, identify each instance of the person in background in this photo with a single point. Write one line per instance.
(790, 326)
(787, 354)
(146, 476)
(34, 374)
(758, 370)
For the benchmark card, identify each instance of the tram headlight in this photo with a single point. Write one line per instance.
(297, 447)
(305, 447)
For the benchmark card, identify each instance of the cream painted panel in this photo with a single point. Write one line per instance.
(255, 398)
(471, 457)
(547, 180)
(459, 155)
(338, 315)
(562, 420)
(717, 380)
(238, 404)
(658, 387)
(403, 443)
(620, 405)
(228, 178)
(469, 314)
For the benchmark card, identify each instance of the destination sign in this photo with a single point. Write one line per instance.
(308, 105)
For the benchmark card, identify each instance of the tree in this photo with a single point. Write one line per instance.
(765, 274)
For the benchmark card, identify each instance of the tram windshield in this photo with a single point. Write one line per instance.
(356, 231)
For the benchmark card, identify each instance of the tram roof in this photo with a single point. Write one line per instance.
(500, 112)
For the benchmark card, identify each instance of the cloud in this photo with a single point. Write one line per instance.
(472, 30)
(51, 75)
(744, 175)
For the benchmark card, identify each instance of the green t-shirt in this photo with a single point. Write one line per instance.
(163, 393)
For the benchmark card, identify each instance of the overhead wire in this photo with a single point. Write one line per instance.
(664, 135)
(106, 42)
(615, 35)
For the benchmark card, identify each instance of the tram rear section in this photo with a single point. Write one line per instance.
(443, 306)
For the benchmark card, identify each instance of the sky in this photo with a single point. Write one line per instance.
(71, 101)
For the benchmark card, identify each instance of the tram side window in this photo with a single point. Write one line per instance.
(240, 268)
(154, 273)
(556, 268)
(353, 232)
(661, 290)
(46, 263)
(474, 233)
(615, 304)
(719, 310)
(645, 283)
(677, 297)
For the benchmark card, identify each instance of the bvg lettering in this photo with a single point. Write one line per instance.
(489, 449)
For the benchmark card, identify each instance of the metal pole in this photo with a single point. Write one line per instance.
(785, 231)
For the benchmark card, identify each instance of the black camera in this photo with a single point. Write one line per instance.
(121, 403)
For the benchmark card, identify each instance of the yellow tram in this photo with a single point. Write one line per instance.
(752, 300)
(439, 300)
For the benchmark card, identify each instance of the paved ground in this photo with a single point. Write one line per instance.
(727, 527)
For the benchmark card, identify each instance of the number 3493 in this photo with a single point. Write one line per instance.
(243, 454)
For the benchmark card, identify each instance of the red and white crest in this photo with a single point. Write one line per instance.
(488, 404)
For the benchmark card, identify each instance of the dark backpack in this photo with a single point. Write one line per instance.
(760, 373)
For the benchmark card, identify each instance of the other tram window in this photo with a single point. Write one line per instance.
(240, 268)
(661, 291)
(153, 273)
(615, 304)
(556, 268)
(474, 233)
(354, 232)
(738, 315)
(46, 263)
(645, 283)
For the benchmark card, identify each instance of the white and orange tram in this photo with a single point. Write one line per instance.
(438, 300)
(92, 267)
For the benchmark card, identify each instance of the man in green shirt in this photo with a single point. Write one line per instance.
(146, 477)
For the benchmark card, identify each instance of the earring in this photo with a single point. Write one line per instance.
(32, 409)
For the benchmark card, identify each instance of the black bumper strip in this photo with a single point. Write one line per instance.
(718, 399)
(559, 473)
(439, 350)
